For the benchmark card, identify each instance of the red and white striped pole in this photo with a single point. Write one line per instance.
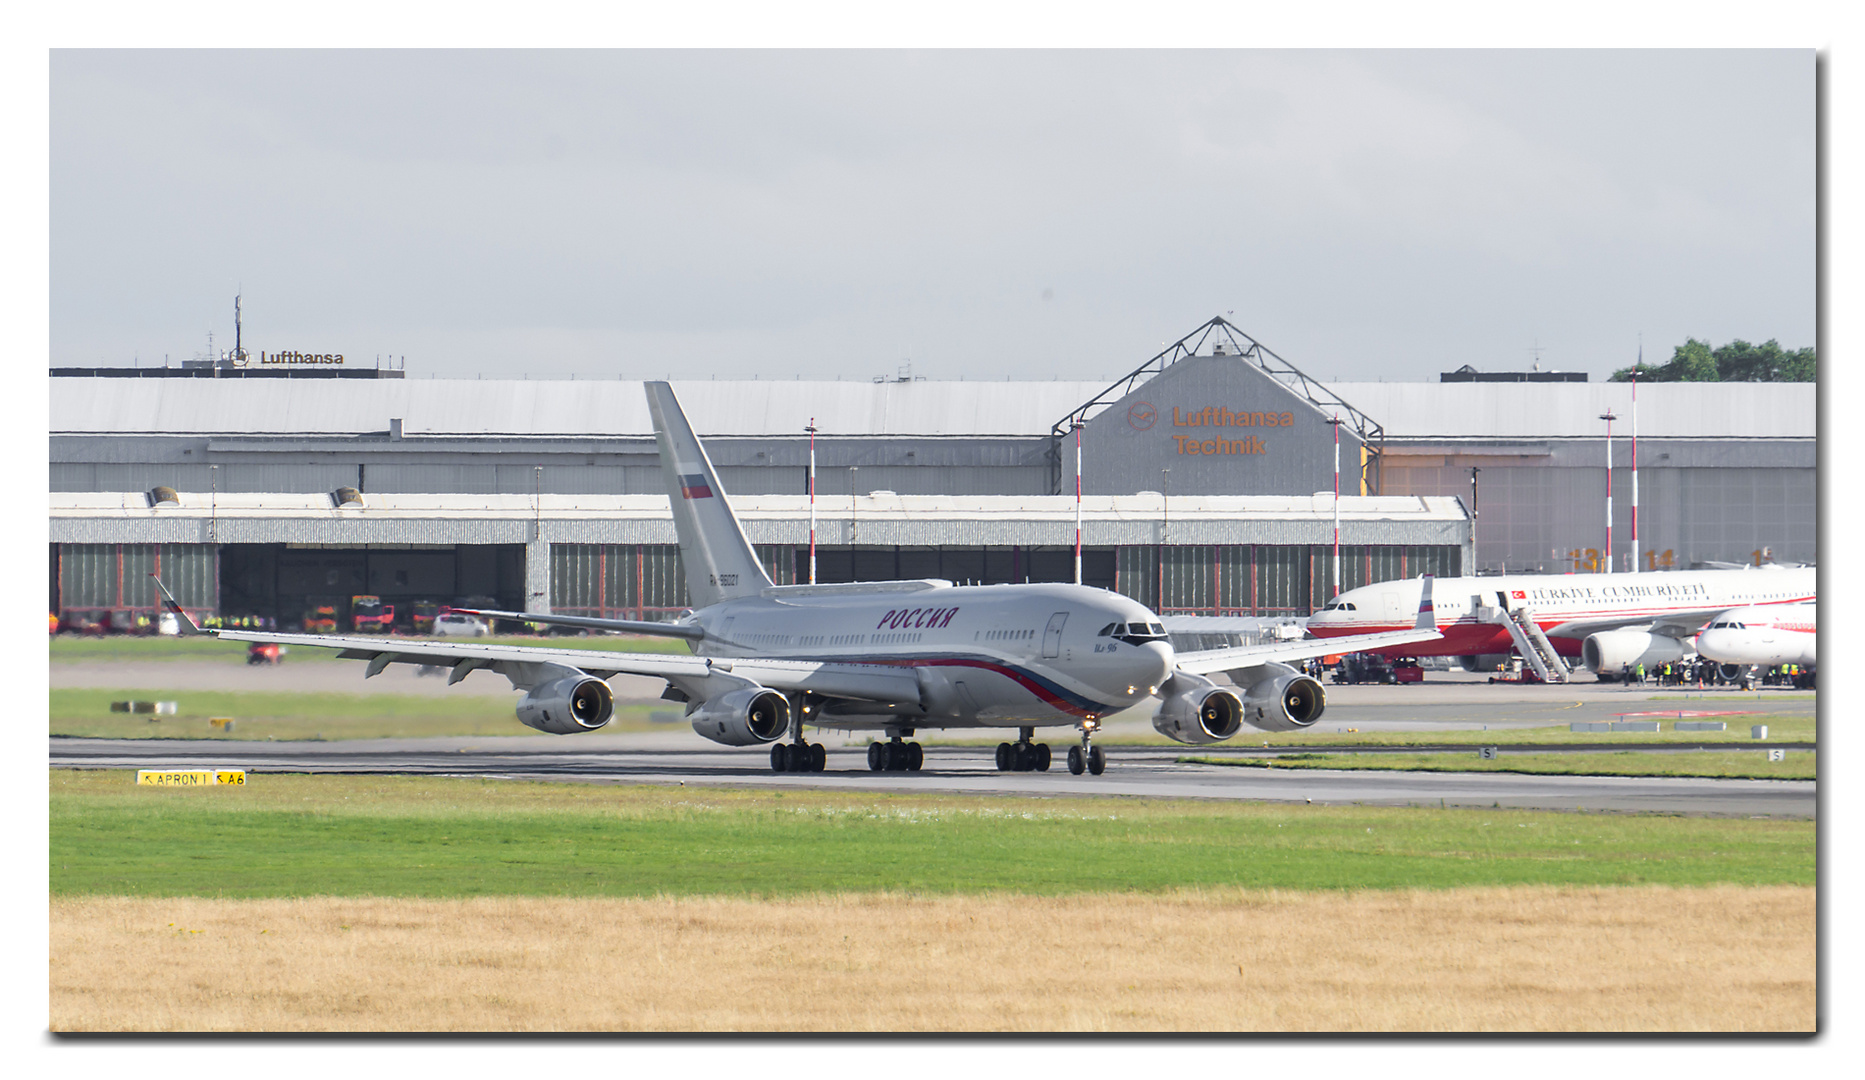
(1609, 418)
(1635, 550)
(812, 499)
(1078, 502)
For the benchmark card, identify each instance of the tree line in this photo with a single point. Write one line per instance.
(1738, 361)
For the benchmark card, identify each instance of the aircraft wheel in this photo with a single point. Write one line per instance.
(916, 756)
(1097, 760)
(1074, 760)
(877, 756)
(1005, 757)
(819, 757)
(780, 760)
(1042, 757)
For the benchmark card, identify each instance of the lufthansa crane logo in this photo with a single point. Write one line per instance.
(1141, 415)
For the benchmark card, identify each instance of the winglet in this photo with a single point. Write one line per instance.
(1427, 615)
(188, 625)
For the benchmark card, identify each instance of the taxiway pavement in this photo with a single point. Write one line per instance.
(1147, 772)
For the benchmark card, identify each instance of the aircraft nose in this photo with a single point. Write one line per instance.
(1155, 663)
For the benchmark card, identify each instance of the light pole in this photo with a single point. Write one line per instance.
(1609, 418)
(1479, 564)
(1165, 528)
(1078, 502)
(1334, 422)
(812, 499)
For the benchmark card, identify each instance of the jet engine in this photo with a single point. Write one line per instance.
(1609, 651)
(1197, 710)
(747, 717)
(1283, 700)
(1484, 662)
(571, 704)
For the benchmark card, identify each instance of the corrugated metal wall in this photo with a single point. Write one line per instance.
(1265, 579)
(1553, 520)
(636, 581)
(115, 577)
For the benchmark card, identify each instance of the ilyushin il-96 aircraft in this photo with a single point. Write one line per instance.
(888, 657)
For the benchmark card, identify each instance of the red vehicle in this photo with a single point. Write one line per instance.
(369, 615)
(1406, 671)
(262, 652)
(424, 613)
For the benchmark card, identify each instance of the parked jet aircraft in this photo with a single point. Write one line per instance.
(1609, 620)
(1769, 635)
(886, 656)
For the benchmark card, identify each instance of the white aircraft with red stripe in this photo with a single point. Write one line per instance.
(1609, 620)
(887, 656)
(1767, 636)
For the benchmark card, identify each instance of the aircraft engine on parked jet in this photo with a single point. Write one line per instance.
(572, 704)
(1609, 651)
(1197, 710)
(1283, 699)
(746, 717)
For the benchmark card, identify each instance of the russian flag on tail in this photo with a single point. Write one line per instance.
(694, 486)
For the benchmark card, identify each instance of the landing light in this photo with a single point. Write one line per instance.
(1130, 690)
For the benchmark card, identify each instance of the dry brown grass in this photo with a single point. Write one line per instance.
(1495, 959)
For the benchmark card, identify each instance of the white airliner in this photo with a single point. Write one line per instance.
(883, 656)
(1770, 635)
(1609, 620)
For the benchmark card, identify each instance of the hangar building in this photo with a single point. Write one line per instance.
(1208, 475)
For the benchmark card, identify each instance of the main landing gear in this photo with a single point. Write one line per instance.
(1023, 755)
(896, 755)
(1087, 755)
(799, 755)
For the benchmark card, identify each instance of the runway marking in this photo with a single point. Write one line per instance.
(1681, 713)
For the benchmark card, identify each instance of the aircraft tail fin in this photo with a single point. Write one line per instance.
(720, 563)
(184, 622)
(1427, 615)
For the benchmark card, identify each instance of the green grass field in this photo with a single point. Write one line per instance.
(287, 835)
(283, 716)
(1721, 764)
(72, 648)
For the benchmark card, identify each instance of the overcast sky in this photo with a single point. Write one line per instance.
(1034, 214)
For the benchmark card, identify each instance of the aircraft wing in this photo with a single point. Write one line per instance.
(1242, 656)
(866, 682)
(1680, 624)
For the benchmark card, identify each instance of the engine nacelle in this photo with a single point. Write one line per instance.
(745, 717)
(1284, 700)
(1485, 662)
(1198, 711)
(567, 706)
(1609, 651)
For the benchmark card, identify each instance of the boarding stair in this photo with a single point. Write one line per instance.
(1535, 646)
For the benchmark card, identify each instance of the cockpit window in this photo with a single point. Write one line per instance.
(1139, 632)
(1108, 629)
(1338, 605)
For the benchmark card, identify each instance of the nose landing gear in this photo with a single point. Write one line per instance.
(1087, 755)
